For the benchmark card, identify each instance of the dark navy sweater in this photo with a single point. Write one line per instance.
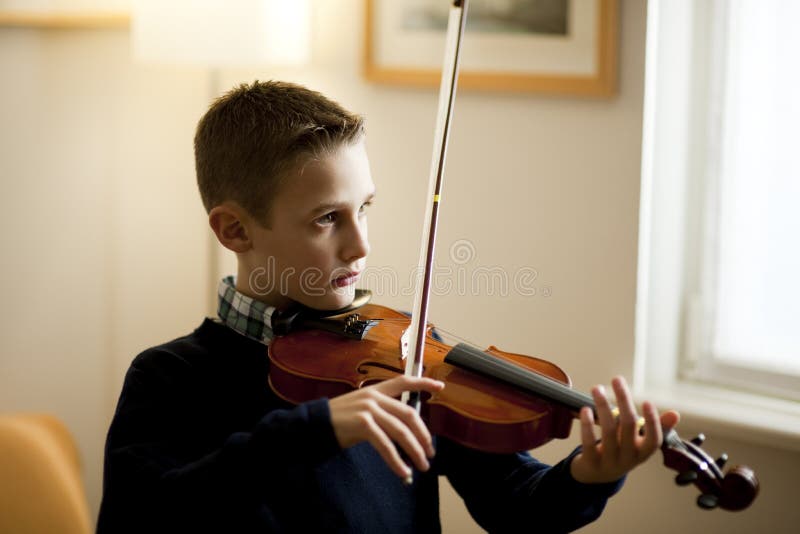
(199, 443)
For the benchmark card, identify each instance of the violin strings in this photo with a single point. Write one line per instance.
(454, 336)
(440, 330)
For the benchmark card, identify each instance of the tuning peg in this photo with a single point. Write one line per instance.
(707, 501)
(685, 478)
(698, 439)
(721, 460)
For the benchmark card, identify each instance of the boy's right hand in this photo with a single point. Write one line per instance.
(374, 414)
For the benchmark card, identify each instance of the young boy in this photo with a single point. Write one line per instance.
(199, 442)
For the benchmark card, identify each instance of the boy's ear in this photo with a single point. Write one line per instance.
(227, 222)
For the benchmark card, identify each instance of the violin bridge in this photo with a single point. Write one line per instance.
(404, 339)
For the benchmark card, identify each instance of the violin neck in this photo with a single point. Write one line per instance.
(483, 363)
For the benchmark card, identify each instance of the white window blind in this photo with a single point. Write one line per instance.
(745, 316)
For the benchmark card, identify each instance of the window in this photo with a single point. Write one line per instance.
(719, 278)
(745, 310)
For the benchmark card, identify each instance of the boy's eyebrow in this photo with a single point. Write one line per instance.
(333, 206)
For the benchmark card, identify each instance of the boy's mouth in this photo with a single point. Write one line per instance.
(346, 280)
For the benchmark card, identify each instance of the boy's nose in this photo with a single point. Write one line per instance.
(356, 244)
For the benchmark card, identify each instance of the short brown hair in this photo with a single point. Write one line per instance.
(251, 136)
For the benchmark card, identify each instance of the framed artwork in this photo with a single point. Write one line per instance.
(548, 46)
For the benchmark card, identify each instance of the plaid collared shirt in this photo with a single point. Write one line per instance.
(247, 316)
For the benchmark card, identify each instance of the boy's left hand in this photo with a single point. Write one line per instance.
(621, 446)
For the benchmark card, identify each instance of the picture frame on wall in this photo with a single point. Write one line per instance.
(563, 47)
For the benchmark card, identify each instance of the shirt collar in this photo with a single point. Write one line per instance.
(249, 317)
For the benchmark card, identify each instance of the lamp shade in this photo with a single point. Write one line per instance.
(221, 33)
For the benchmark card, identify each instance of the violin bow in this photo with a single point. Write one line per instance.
(447, 94)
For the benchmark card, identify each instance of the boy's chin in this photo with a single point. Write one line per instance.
(330, 301)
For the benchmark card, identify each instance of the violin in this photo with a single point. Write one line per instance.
(494, 401)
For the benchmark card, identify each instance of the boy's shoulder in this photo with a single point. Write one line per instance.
(180, 356)
(201, 352)
(176, 351)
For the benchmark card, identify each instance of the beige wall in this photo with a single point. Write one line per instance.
(105, 251)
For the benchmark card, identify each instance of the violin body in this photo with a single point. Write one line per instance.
(472, 410)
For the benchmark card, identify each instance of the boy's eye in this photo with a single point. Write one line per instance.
(333, 216)
(328, 218)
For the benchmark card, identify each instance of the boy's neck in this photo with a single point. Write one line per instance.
(244, 286)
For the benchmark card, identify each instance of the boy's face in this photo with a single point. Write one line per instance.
(316, 245)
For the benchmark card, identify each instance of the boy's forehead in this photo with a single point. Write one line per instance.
(342, 177)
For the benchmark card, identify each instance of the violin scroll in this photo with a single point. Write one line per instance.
(734, 490)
